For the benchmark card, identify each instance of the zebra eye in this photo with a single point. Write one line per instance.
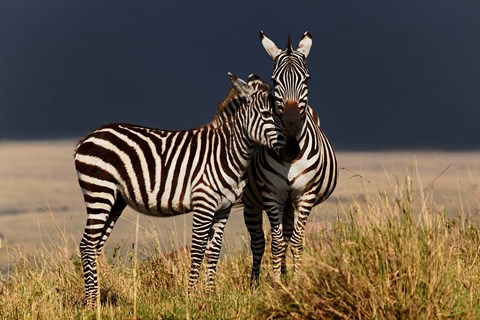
(265, 114)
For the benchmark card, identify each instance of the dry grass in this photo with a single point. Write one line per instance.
(394, 254)
(49, 285)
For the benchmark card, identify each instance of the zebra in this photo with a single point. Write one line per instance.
(288, 185)
(165, 173)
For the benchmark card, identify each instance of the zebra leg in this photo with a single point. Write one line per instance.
(98, 214)
(88, 253)
(287, 221)
(296, 242)
(254, 222)
(214, 246)
(278, 242)
(202, 223)
(115, 213)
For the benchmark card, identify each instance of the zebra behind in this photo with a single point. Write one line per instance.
(166, 173)
(289, 185)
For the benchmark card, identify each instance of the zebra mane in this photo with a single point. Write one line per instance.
(227, 108)
(229, 99)
(289, 45)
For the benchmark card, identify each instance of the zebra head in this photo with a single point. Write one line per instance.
(290, 77)
(262, 124)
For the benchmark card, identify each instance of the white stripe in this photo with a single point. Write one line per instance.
(182, 179)
(99, 205)
(94, 227)
(98, 216)
(170, 147)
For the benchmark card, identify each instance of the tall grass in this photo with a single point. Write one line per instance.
(395, 255)
(392, 256)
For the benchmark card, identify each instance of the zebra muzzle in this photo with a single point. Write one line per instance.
(291, 118)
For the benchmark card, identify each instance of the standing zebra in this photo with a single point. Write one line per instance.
(166, 173)
(287, 187)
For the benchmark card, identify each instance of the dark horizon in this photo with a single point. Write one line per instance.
(384, 75)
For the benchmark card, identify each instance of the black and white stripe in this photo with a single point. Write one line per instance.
(287, 187)
(165, 173)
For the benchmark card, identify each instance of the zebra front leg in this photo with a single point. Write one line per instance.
(298, 237)
(254, 222)
(278, 242)
(287, 222)
(202, 223)
(214, 246)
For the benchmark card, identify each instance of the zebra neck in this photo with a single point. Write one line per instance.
(240, 146)
(312, 135)
(308, 135)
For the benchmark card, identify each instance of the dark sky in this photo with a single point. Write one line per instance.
(385, 74)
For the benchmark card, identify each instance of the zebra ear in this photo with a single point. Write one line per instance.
(269, 46)
(253, 77)
(243, 89)
(305, 44)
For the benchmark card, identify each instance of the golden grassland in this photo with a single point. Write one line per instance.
(398, 239)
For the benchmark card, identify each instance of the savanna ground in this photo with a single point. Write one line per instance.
(399, 239)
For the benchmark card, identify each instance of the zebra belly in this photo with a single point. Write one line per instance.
(162, 206)
(160, 211)
(230, 196)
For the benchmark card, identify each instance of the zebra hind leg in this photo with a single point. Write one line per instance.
(254, 222)
(214, 246)
(98, 226)
(115, 213)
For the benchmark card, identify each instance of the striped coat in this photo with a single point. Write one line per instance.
(289, 185)
(164, 173)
